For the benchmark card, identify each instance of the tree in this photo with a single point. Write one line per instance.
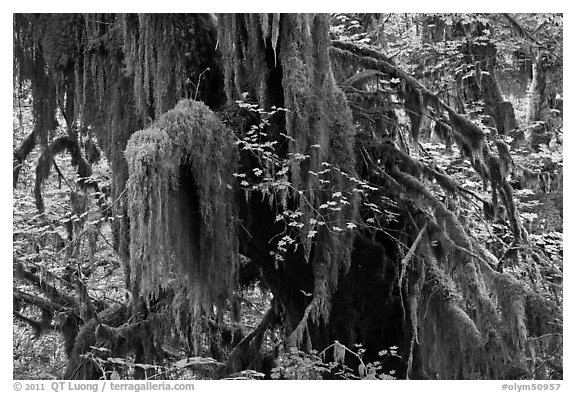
(539, 41)
(251, 147)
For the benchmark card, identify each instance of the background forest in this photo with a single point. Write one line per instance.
(287, 196)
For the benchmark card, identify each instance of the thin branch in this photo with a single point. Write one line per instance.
(60, 173)
(547, 361)
(411, 252)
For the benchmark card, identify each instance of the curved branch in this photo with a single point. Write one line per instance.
(251, 342)
(20, 156)
(44, 166)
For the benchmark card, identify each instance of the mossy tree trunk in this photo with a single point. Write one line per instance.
(543, 92)
(544, 106)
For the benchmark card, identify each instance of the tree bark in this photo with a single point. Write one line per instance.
(536, 110)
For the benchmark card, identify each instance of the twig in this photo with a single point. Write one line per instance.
(508, 248)
(60, 174)
(346, 349)
(104, 237)
(404, 264)
(547, 360)
(199, 80)
(410, 253)
(116, 201)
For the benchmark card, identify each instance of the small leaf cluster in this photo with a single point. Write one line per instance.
(271, 177)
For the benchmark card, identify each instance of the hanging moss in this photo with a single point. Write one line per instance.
(249, 47)
(477, 306)
(450, 342)
(170, 57)
(319, 115)
(501, 111)
(416, 110)
(469, 136)
(180, 204)
(318, 125)
(472, 135)
(30, 64)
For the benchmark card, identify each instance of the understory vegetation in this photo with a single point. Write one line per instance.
(288, 196)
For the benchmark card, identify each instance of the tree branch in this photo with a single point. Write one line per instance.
(39, 302)
(20, 155)
(49, 290)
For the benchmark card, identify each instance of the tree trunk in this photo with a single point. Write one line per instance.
(536, 110)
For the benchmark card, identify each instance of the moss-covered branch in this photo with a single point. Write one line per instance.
(44, 166)
(181, 205)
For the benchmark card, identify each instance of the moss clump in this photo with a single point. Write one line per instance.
(181, 206)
